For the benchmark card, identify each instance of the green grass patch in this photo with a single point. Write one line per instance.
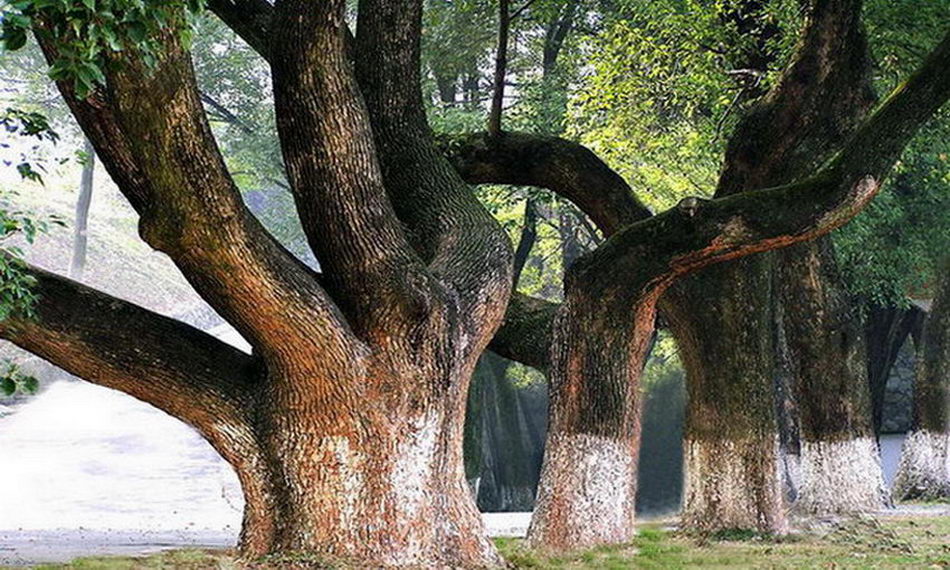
(909, 541)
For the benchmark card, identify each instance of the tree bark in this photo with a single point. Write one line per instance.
(347, 433)
(588, 487)
(824, 86)
(924, 471)
(731, 443)
(77, 265)
(840, 464)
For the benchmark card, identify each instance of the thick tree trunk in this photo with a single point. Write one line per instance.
(731, 436)
(840, 463)
(587, 493)
(783, 138)
(924, 471)
(347, 482)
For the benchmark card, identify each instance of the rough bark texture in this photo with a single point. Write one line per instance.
(924, 471)
(829, 365)
(731, 442)
(587, 491)
(783, 138)
(345, 426)
(841, 477)
(345, 423)
(599, 333)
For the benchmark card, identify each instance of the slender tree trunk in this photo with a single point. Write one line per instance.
(840, 463)
(731, 438)
(77, 266)
(924, 471)
(501, 64)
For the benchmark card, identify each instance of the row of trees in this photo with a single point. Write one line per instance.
(345, 422)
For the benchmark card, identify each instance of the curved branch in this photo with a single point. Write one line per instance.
(568, 169)
(179, 369)
(699, 233)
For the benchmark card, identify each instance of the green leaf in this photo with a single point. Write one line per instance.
(30, 385)
(7, 387)
(14, 39)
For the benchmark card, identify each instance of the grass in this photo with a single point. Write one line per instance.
(891, 542)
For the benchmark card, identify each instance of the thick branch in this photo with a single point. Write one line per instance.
(453, 233)
(179, 369)
(699, 233)
(324, 127)
(525, 336)
(187, 373)
(806, 116)
(151, 133)
(566, 168)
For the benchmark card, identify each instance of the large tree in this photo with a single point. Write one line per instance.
(593, 344)
(345, 422)
(723, 318)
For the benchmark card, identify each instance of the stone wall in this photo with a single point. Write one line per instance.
(898, 412)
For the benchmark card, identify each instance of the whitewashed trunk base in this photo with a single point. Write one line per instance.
(840, 478)
(587, 493)
(733, 485)
(924, 469)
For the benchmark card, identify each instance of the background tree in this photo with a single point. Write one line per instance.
(924, 471)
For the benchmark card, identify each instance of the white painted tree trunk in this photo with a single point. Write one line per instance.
(924, 470)
(587, 494)
(734, 485)
(841, 477)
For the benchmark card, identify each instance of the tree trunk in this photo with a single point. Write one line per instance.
(924, 471)
(587, 493)
(78, 264)
(840, 463)
(816, 103)
(731, 437)
(345, 480)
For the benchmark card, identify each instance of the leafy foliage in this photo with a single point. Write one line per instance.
(892, 249)
(13, 380)
(88, 32)
(15, 284)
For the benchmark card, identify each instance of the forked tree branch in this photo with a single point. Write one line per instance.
(151, 133)
(369, 266)
(455, 236)
(699, 233)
